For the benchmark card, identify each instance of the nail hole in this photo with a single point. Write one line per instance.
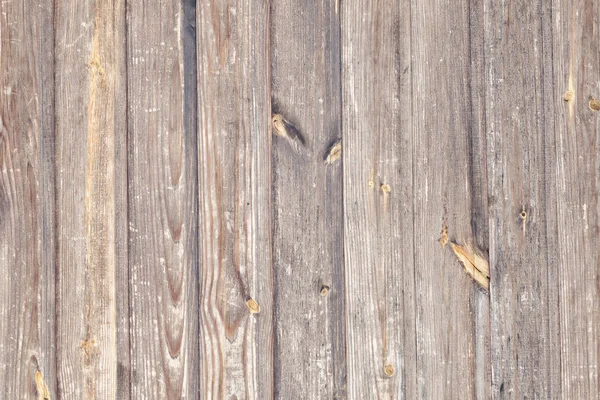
(523, 214)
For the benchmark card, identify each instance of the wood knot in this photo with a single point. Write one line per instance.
(389, 370)
(569, 95)
(444, 237)
(595, 105)
(324, 290)
(252, 306)
(385, 188)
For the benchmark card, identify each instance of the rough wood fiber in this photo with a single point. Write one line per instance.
(448, 190)
(577, 70)
(234, 156)
(307, 205)
(522, 153)
(378, 151)
(163, 246)
(27, 326)
(90, 125)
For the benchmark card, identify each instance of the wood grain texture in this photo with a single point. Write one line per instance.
(309, 334)
(27, 326)
(525, 345)
(90, 125)
(449, 190)
(576, 67)
(163, 213)
(234, 159)
(378, 158)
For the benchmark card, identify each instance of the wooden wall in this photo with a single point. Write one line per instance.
(159, 239)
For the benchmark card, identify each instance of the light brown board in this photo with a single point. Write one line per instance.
(448, 190)
(162, 194)
(576, 67)
(307, 203)
(90, 126)
(521, 154)
(234, 165)
(378, 151)
(27, 324)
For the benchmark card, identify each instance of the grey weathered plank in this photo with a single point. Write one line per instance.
(525, 345)
(234, 156)
(449, 190)
(90, 126)
(27, 328)
(307, 207)
(162, 179)
(576, 66)
(379, 151)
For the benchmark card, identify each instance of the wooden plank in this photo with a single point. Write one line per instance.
(378, 199)
(234, 156)
(525, 348)
(27, 326)
(449, 193)
(163, 247)
(308, 238)
(90, 124)
(576, 67)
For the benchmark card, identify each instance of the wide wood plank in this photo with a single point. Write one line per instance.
(576, 69)
(27, 325)
(163, 227)
(525, 345)
(309, 334)
(90, 129)
(378, 199)
(234, 157)
(449, 191)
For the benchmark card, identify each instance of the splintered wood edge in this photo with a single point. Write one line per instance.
(253, 306)
(40, 386)
(475, 266)
(334, 152)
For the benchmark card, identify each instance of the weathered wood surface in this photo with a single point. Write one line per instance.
(145, 199)
(234, 158)
(524, 287)
(378, 153)
(163, 216)
(576, 66)
(307, 223)
(90, 201)
(27, 285)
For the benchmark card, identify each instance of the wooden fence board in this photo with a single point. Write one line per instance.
(378, 199)
(27, 306)
(234, 142)
(163, 221)
(576, 67)
(525, 343)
